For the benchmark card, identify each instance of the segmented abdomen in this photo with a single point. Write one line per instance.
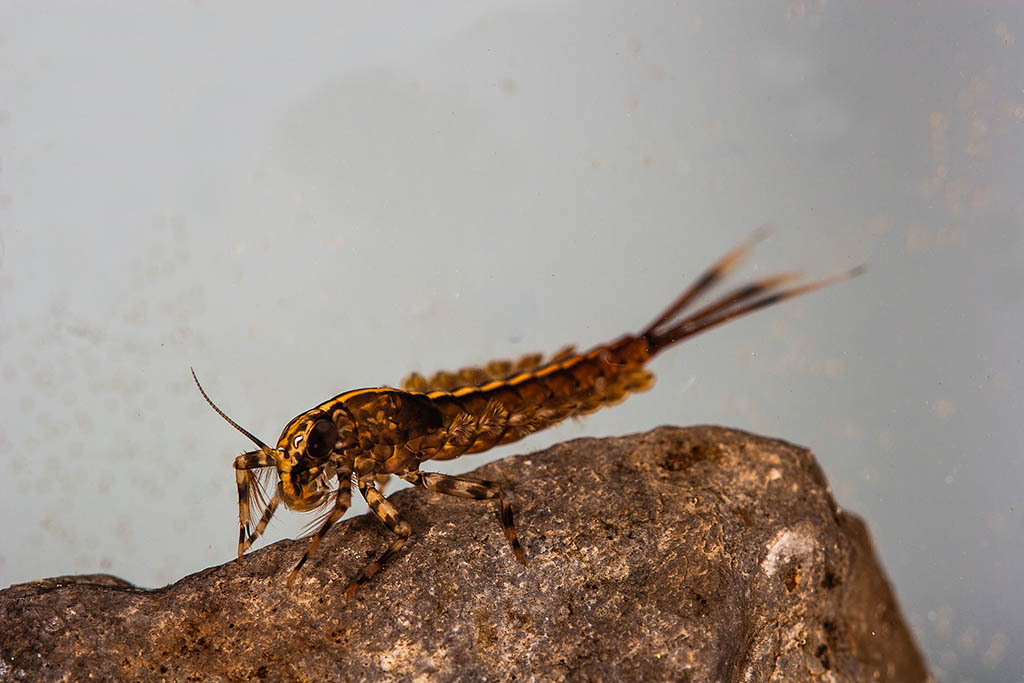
(504, 410)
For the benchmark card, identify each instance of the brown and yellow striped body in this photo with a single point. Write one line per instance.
(368, 434)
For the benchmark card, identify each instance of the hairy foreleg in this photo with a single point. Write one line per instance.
(246, 480)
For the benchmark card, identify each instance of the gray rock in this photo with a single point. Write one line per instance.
(700, 554)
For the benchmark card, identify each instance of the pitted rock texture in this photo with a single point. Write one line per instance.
(698, 554)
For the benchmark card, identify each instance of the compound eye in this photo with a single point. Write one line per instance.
(321, 439)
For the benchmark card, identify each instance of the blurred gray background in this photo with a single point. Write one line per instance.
(299, 200)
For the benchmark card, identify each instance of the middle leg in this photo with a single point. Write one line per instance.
(342, 501)
(388, 516)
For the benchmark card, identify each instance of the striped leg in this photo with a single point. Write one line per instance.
(342, 501)
(477, 490)
(262, 525)
(246, 480)
(388, 515)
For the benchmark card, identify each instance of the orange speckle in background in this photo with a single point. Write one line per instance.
(964, 98)
(917, 237)
(977, 132)
(509, 86)
(981, 86)
(1004, 34)
(942, 408)
(798, 8)
(997, 522)
(981, 198)
(123, 532)
(834, 367)
(939, 125)
(996, 651)
(942, 622)
(968, 640)
(956, 191)
(879, 224)
(927, 187)
(781, 329)
(947, 236)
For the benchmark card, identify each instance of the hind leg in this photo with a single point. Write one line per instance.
(476, 490)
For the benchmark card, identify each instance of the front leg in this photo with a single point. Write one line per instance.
(247, 480)
(261, 526)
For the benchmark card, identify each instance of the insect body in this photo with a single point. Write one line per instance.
(364, 435)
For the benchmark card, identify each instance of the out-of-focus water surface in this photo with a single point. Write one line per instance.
(297, 202)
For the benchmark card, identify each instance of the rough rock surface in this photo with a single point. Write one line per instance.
(700, 554)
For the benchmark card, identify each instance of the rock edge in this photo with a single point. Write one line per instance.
(699, 554)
